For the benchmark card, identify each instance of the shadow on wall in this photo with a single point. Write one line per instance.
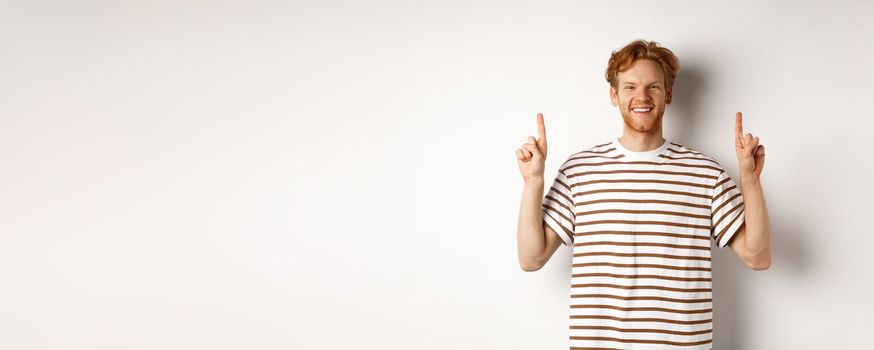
(791, 257)
(687, 91)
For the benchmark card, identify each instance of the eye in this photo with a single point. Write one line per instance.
(628, 87)
(655, 87)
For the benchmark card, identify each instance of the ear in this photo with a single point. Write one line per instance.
(614, 97)
(669, 95)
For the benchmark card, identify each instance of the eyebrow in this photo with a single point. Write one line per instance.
(633, 83)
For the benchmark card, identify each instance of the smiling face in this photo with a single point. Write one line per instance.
(641, 96)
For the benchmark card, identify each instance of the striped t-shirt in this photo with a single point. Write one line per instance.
(640, 224)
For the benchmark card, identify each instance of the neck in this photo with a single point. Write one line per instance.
(640, 141)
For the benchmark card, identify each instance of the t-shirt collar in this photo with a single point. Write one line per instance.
(645, 155)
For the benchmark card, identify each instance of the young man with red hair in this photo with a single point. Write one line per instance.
(639, 212)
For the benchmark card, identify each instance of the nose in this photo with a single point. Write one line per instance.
(642, 94)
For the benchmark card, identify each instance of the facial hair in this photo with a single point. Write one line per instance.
(638, 125)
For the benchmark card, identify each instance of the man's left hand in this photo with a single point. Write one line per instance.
(750, 154)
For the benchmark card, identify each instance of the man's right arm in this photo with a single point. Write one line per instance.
(537, 242)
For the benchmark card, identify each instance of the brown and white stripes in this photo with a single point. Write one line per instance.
(640, 224)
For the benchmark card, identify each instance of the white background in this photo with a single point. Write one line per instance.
(333, 175)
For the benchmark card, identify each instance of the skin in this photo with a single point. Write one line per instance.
(643, 84)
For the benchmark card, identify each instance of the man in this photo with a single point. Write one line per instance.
(639, 212)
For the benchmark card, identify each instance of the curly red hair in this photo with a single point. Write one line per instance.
(622, 60)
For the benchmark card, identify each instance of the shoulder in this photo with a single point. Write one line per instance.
(678, 151)
(596, 153)
(603, 149)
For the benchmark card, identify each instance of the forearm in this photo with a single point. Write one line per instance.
(530, 237)
(758, 228)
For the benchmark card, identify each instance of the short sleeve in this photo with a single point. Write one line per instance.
(558, 208)
(727, 210)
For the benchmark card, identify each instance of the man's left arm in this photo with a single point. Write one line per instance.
(752, 243)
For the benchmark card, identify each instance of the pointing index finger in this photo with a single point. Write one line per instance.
(738, 126)
(541, 129)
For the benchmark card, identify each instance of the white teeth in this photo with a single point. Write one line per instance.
(642, 109)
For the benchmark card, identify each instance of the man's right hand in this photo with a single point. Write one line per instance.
(532, 156)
